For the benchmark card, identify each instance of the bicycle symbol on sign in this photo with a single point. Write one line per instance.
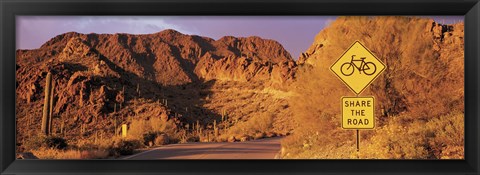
(348, 68)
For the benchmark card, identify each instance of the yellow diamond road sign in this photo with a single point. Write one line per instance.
(357, 67)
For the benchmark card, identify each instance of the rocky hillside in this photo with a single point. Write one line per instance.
(424, 61)
(104, 77)
(423, 85)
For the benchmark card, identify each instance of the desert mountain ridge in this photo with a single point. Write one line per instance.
(172, 58)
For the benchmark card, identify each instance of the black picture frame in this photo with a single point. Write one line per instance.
(9, 9)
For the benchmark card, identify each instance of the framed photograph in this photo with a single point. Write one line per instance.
(239, 87)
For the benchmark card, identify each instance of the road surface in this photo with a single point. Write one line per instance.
(256, 149)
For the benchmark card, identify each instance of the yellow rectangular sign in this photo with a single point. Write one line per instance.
(358, 113)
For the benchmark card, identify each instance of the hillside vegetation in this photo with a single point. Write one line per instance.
(419, 97)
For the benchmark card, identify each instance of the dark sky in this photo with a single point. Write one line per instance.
(295, 33)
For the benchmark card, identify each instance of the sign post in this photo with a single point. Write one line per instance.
(357, 68)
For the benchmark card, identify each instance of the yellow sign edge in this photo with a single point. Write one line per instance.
(374, 119)
(374, 78)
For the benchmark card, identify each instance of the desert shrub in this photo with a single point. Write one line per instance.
(149, 138)
(125, 147)
(54, 142)
(34, 142)
(446, 135)
(437, 138)
(148, 130)
(395, 141)
(162, 139)
(193, 138)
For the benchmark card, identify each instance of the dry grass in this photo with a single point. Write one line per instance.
(139, 127)
(439, 138)
(50, 153)
(90, 149)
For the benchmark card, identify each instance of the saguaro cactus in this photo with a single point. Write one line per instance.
(193, 128)
(52, 103)
(46, 105)
(198, 127)
(224, 120)
(82, 88)
(215, 128)
(138, 90)
(240, 49)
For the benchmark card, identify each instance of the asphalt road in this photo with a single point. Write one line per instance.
(256, 149)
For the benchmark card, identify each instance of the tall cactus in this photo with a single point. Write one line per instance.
(52, 103)
(240, 49)
(215, 129)
(46, 105)
(138, 90)
(223, 115)
(82, 88)
(224, 120)
(198, 127)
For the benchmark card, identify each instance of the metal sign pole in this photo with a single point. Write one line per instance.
(358, 141)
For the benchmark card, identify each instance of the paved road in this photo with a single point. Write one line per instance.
(257, 149)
